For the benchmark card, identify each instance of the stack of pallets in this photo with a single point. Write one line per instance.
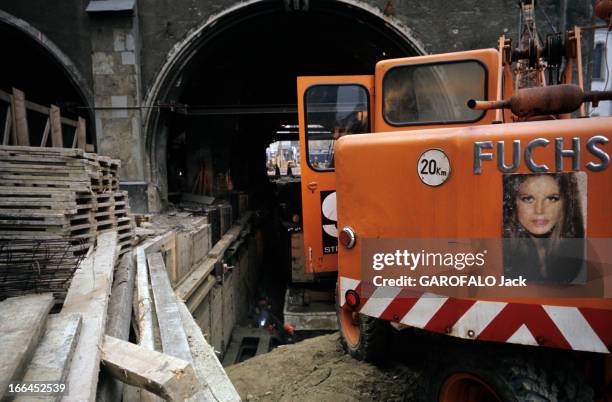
(125, 222)
(45, 194)
(58, 200)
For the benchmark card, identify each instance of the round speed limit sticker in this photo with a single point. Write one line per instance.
(433, 167)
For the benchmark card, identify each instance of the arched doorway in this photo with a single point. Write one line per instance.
(43, 72)
(236, 75)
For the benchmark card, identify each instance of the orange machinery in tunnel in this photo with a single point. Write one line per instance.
(427, 167)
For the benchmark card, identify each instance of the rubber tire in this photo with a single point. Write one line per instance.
(515, 376)
(374, 336)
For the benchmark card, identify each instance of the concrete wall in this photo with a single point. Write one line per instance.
(228, 300)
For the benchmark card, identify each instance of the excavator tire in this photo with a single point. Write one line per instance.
(486, 374)
(364, 338)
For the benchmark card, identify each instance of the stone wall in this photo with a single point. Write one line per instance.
(121, 54)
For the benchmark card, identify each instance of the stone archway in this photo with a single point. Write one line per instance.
(69, 70)
(173, 80)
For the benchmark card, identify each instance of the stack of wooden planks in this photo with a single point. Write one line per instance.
(66, 350)
(165, 324)
(61, 196)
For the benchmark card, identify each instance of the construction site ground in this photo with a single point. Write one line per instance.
(318, 369)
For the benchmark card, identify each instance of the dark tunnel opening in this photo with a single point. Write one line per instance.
(239, 89)
(44, 80)
(237, 94)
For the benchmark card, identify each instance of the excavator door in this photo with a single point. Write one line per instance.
(328, 108)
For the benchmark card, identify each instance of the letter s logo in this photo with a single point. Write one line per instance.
(328, 208)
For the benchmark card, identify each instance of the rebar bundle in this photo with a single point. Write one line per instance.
(38, 266)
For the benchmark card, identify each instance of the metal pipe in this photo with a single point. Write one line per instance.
(488, 105)
(554, 99)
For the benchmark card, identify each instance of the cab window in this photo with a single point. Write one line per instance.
(333, 110)
(435, 93)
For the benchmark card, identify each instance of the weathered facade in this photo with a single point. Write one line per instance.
(132, 64)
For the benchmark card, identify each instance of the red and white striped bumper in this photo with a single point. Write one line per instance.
(584, 329)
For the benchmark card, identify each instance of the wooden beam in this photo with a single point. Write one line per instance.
(81, 134)
(173, 338)
(143, 311)
(223, 244)
(205, 362)
(37, 108)
(88, 295)
(51, 361)
(45, 137)
(119, 320)
(171, 378)
(193, 281)
(22, 323)
(7, 126)
(57, 139)
(74, 138)
(20, 119)
(194, 302)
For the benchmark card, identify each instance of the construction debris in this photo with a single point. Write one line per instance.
(39, 266)
(52, 358)
(58, 193)
(180, 336)
(88, 295)
(22, 323)
(119, 320)
(169, 377)
(53, 204)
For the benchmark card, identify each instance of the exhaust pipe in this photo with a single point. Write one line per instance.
(555, 99)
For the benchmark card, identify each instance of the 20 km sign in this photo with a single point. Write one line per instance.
(433, 167)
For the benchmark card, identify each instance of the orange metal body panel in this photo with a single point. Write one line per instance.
(313, 182)
(380, 195)
(489, 57)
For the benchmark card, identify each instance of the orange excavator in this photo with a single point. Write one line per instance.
(469, 195)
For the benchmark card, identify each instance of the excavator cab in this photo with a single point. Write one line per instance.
(404, 94)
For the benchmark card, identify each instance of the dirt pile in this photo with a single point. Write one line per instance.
(317, 369)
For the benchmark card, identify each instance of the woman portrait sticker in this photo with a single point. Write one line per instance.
(544, 227)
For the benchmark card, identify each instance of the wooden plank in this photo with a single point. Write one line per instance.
(120, 308)
(74, 138)
(199, 199)
(119, 321)
(205, 362)
(88, 295)
(157, 243)
(173, 338)
(7, 126)
(22, 322)
(143, 312)
(56, 127)
(51, 361)
(20, 118)
(37, 108)
(45, 137)
(193, 281)
(56, 152)
(81, 134)
(169, 377)
(223, 244)
(196, 299)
